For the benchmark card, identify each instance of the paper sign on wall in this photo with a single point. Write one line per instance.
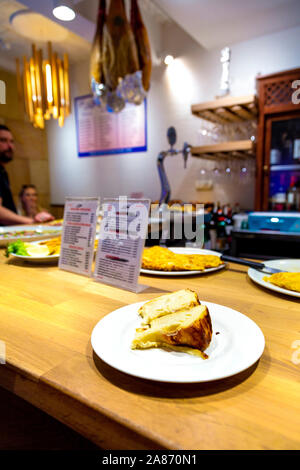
(78, 235)
(121, 242)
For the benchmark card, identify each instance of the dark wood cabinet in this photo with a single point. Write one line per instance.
(277, 164)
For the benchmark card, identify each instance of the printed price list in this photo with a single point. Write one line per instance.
(121, 242)
(78, 235)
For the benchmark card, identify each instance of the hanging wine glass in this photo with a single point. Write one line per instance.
(220, 171)
(203, 172)
(216, 172)
(235, 168)
(253, 131)
(204, 135)
(228, 171)
(216, 134)
(245, 171)
(230, 131)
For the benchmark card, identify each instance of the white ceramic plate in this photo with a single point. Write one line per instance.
(237, 343)
(289, 265)
(37, 259)
(186, 251)
(27, 233)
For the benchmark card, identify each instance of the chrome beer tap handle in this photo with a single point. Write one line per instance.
(165, 186)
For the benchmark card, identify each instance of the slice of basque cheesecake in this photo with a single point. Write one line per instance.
(186, 330)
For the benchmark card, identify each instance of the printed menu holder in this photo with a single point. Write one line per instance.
(121, 242)
(78, 235)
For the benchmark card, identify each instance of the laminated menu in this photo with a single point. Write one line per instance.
(121, 242)
(78, 235)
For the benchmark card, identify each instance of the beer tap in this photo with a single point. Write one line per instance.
(165, 187)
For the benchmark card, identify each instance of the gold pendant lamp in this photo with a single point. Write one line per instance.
(43, 86)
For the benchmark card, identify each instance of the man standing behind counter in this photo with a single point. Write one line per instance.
(8, 211)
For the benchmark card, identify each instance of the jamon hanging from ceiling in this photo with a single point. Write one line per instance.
(142, 42)
(125, 59)
(96, 61)
(120, 65)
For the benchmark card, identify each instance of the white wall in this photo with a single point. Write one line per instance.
(193, 77)
(201, 70)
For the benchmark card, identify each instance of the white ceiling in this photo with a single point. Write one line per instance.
(212, 23)
(218, 23)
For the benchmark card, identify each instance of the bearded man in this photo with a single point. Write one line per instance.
(8, 211)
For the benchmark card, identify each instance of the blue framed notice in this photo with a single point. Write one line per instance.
(102, 133)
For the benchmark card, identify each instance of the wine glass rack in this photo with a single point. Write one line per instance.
(222, 111)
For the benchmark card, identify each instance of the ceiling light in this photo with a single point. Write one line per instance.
(63, 10)
(43, 86)
(168, 59)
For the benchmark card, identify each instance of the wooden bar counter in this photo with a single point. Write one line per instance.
(46, 320)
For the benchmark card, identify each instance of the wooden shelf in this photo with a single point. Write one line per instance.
(227, 110)
(237, 149)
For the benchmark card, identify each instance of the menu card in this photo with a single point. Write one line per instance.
(121, 242)
(78, 235)
(100, 132)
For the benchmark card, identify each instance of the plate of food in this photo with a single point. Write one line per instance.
(35, 252)
(178, 338)
(42, 251)
(287, 282)
(27, 233)
(161, 261)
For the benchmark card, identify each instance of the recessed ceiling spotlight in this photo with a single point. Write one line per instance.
(63, 10)
(168, 59)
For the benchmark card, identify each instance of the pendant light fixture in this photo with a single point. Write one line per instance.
(43, 86)
(63, 10)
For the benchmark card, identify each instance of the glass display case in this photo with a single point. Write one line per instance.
(284, 161)
(278, 143)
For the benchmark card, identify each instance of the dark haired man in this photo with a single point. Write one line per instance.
(8, 211)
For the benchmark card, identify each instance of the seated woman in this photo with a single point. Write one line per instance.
(28, 205)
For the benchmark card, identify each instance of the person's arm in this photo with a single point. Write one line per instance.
(8, 217)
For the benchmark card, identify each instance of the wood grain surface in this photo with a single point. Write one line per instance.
(46, 320)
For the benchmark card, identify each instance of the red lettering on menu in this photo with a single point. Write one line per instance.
(76, 247)
(78, 224)
(80, 209)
